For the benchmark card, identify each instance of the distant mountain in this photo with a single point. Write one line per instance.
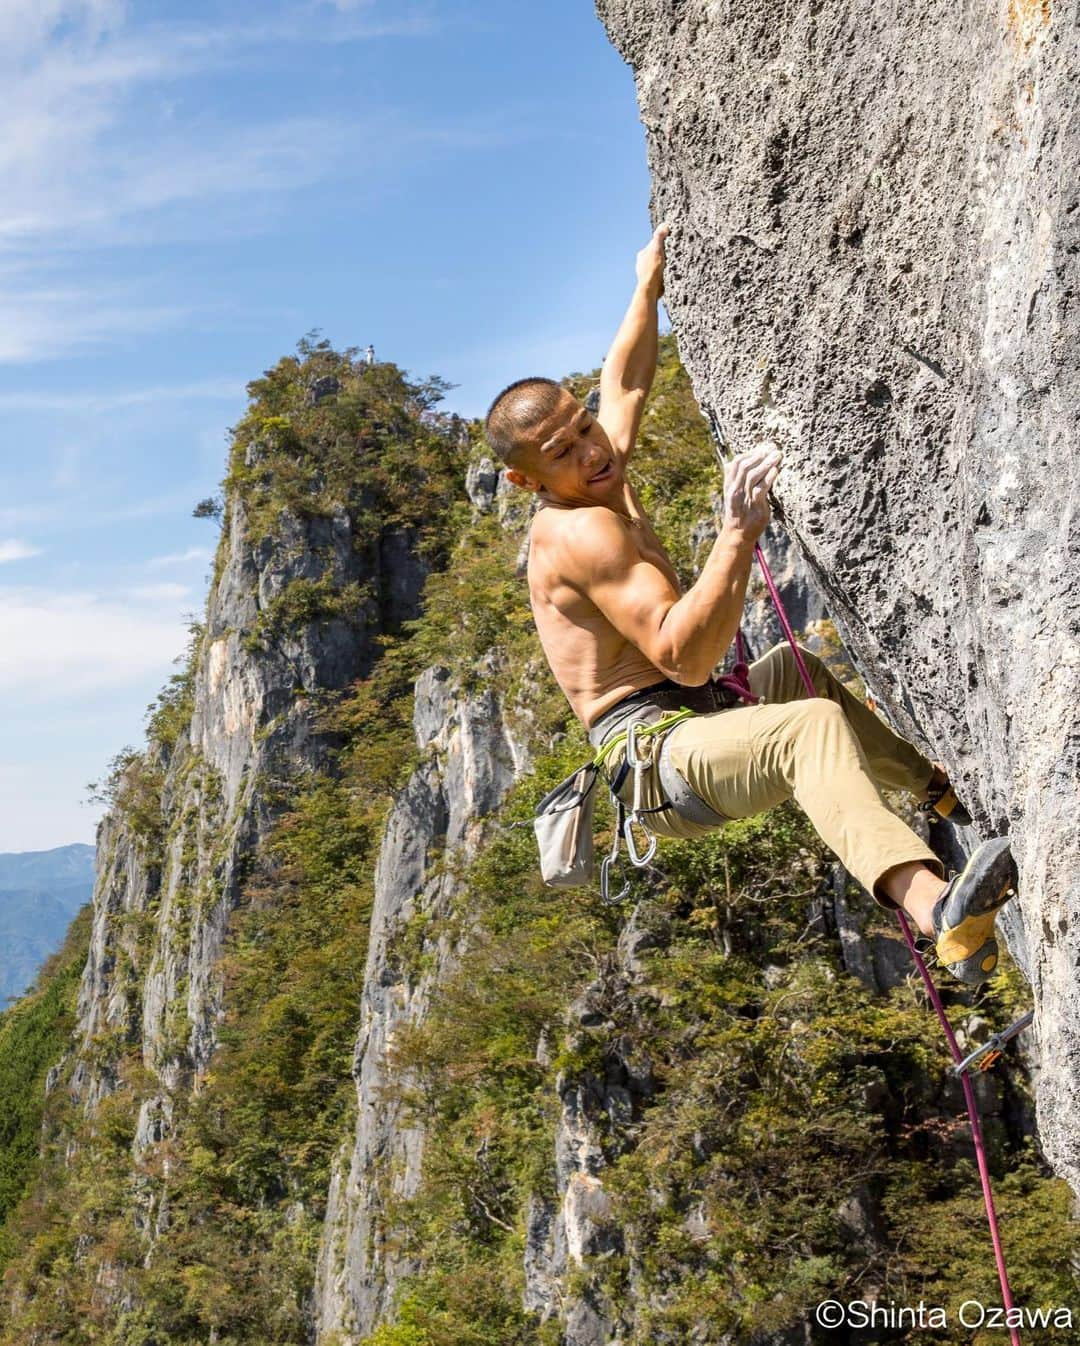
(40, 892)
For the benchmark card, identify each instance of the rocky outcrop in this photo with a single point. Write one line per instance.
(173, 856)
(873, 262)
(594, 1120)
(472, 756)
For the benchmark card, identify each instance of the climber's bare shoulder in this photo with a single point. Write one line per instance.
(596, 581)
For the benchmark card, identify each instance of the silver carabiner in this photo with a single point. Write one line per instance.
(636, 857)
(605, 867)
(638, 765)
(632, 731)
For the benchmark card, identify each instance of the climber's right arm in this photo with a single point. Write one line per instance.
(684, 636)
(630, 364)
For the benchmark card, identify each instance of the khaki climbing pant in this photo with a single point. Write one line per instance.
(830, 753)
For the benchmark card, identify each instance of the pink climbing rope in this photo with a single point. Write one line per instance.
(737, 682)
(928, 982)
(781, 612)
(973, 1118)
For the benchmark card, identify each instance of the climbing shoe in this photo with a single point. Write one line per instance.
(942, 801)
(964, 913)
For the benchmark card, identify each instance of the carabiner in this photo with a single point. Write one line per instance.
(639, 766)
(636, 858)
(608, 861)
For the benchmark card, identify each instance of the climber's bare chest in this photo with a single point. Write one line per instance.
(593, 663)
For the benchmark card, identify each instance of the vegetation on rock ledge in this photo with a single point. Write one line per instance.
(782, 1131)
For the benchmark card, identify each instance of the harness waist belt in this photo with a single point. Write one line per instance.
(650, 705)
(661, 697)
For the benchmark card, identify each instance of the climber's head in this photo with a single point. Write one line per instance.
(517, 410)
(551, 443)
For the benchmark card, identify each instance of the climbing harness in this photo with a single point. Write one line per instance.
(625, 822)
(563, 821)
(961, 1062)
(563, 818)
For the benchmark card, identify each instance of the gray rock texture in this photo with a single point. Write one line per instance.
(564, 1234)
(481, 483)
(169, 875)
(873, 262)
(473, 756)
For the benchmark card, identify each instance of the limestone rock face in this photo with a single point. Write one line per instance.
(473, 756)
(873, 263)
(178, 873)
(595, 1116)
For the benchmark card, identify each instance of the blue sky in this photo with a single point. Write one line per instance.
(189, 189)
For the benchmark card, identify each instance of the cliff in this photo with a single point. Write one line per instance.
(340, 1071)
(873, 262)
(339, 481)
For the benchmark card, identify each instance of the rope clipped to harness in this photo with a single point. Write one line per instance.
(737, 682)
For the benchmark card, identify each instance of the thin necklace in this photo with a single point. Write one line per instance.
(554, 504)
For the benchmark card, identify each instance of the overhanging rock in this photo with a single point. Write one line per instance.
(873, 262)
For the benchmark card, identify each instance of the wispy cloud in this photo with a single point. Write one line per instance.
(52, 512)
(178, 558)
(57, 646)
(42, 323)
(206, 390)
(13, 550)
(80, 147)
(92, 154)
(163, 593)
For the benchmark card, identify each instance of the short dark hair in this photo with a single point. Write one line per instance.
(515, 411)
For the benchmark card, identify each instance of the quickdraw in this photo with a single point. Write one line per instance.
(625, 822)
(990, 1051)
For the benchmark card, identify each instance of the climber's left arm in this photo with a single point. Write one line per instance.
(628, 371)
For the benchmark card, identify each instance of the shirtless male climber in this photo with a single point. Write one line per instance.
(621, 638)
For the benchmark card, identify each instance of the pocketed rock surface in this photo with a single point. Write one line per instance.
(872, 262)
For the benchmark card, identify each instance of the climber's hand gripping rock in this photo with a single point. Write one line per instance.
(649, 266)
(748, 479)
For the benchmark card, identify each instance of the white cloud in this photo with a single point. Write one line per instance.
(85, 137)
(59, 646)
(206, 390)
(92, 153)
(13, 550)
(178, 558)
(41, 324)
(163, 593)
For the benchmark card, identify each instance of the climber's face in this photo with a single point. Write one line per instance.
(569, 458)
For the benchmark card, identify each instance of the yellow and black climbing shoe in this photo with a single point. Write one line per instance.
(964, 913)
(943, 802)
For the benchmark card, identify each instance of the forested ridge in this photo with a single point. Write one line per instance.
(756, 1125)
